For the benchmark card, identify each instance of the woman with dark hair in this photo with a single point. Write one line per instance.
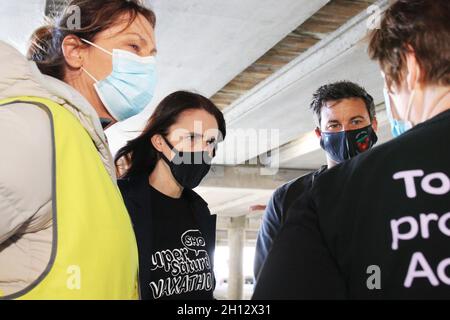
(64, 230)
(174, 229)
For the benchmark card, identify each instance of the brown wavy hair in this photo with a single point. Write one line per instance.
(95, 15)
(419, 26)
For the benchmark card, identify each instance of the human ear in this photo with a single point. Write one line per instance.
(375, 124)
(413, 72)
(73, 51)
(157, 142)
(318, 132)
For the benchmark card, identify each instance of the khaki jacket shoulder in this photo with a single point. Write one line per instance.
(26, 166)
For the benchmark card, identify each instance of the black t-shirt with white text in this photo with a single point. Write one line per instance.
(178, 258)
(176, 241)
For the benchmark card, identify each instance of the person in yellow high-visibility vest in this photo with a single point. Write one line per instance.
(65, 232)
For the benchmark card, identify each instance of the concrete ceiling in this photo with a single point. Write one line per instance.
(284, 97)
(323, 22)
(204, 44)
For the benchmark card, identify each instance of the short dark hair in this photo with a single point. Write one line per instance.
(337, 91)
(419, 26)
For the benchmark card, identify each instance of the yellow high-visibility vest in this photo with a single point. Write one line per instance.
(94, 254)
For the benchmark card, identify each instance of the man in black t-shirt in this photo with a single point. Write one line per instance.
(378, 225)
(346, 126)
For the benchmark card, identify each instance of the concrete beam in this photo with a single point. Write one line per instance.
(231, 191)
(249, 177)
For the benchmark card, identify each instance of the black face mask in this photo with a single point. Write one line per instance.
(188, 168)
(344, 145)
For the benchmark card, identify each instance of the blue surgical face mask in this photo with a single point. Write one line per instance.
(130, 86)
(398, 127)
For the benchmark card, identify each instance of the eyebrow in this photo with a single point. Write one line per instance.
(357, 117)
(211, 139)
(191, 134)
(154, 51)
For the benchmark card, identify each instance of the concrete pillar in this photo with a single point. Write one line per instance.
(236, 240)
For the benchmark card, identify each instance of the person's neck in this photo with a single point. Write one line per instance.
(87, 91)
(162, 180)
(432, 101)
(331, 163)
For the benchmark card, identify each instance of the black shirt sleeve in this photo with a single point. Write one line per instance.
(270, 226)
(300, 256)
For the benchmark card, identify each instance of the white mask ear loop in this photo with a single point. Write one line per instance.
(96, 46)
(388, 100)
(410, 105)
(90, 75)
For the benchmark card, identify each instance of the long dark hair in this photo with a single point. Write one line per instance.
(139, 155)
